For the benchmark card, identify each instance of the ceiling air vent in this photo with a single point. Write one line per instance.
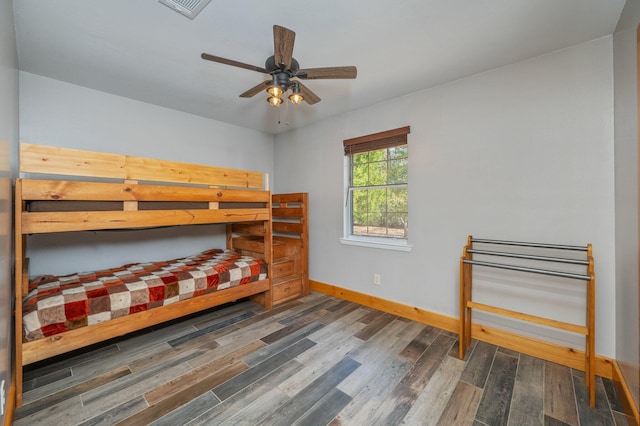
(189, 8)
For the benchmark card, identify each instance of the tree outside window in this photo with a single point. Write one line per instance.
(377, 193)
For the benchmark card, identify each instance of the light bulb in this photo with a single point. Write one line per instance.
(296, 98)
(274, 91)
(274, 101)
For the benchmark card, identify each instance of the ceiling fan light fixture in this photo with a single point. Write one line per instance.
(279, 84)
(275, 100)
(295, 97)
(274, 91)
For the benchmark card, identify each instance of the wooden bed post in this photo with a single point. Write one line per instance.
(21, 263)
(590, 353)
(268, 245)
(305, 243)
(463, 307)
(268, 251)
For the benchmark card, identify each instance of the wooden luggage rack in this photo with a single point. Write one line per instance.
(542, 256)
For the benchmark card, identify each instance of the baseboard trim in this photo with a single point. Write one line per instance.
(562, 355)
(437, 320)
(625, 395)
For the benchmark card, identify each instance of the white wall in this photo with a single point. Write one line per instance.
(8, 161)
(626, 161)
(62, 114)
(523, 152)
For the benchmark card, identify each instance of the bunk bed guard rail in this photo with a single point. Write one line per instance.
(498, 248)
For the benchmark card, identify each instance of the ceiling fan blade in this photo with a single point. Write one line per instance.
(283, 39)
(327, 73)
(309, 97)
(233, 63)
(256, 89)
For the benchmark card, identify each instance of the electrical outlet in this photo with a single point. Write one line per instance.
(376, 279)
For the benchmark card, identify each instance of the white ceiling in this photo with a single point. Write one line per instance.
(143, 50)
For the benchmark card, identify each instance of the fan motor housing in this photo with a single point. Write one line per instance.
(270, 66)
(282, 79)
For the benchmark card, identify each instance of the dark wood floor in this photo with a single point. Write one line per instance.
(314, 361)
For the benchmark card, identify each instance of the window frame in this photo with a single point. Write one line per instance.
(373, 142)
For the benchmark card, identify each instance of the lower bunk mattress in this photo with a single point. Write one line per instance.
(56, 304)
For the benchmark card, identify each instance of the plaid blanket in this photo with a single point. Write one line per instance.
(56, 304)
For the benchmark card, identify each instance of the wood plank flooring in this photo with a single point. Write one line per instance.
(314, 361)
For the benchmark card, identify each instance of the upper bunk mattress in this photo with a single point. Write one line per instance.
(56, 304)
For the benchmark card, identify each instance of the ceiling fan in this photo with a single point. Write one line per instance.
(285, 71)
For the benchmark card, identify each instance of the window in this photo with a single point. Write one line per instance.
(377, 204)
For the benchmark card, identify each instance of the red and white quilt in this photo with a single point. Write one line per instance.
(56, 304)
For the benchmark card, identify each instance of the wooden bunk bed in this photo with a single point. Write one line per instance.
(98, 181)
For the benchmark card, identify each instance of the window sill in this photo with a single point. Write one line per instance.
(379, 243)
